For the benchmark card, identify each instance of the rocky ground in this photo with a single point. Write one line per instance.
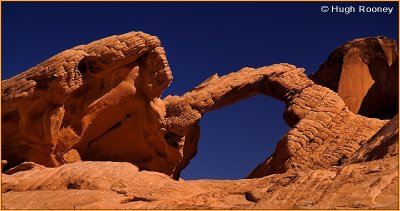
(99, 185)
(87, 129)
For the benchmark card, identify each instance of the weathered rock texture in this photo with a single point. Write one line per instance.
(94, 102)
(111, 185)
(101, 102)
(385, 143)
(364, 72)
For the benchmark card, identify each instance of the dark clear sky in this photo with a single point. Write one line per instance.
(201, 39)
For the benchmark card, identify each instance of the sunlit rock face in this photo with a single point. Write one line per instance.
(364, 72)
(98, 101)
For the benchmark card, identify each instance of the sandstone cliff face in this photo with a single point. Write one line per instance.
(364, 72)
(101, 102)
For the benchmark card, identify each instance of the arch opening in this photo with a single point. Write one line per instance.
(236, 138)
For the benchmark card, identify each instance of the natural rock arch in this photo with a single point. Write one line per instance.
(315, 113)
(56, 113)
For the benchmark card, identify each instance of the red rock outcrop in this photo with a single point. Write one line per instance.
(101, 102)
(364, 72)
(98, 101)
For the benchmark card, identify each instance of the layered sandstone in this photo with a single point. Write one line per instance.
(364, 72)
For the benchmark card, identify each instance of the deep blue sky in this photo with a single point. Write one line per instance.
(201, 39)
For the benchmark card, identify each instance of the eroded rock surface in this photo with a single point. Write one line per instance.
(365, 73)
(385, 143)
(323, 133)
(112, 185)
(98, 101)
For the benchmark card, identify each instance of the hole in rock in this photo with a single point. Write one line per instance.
(73, 186)
(236, 138)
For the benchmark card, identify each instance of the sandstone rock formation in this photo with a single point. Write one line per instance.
(94, 102)
(101, 102)
(117, 185)
(364, 72)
